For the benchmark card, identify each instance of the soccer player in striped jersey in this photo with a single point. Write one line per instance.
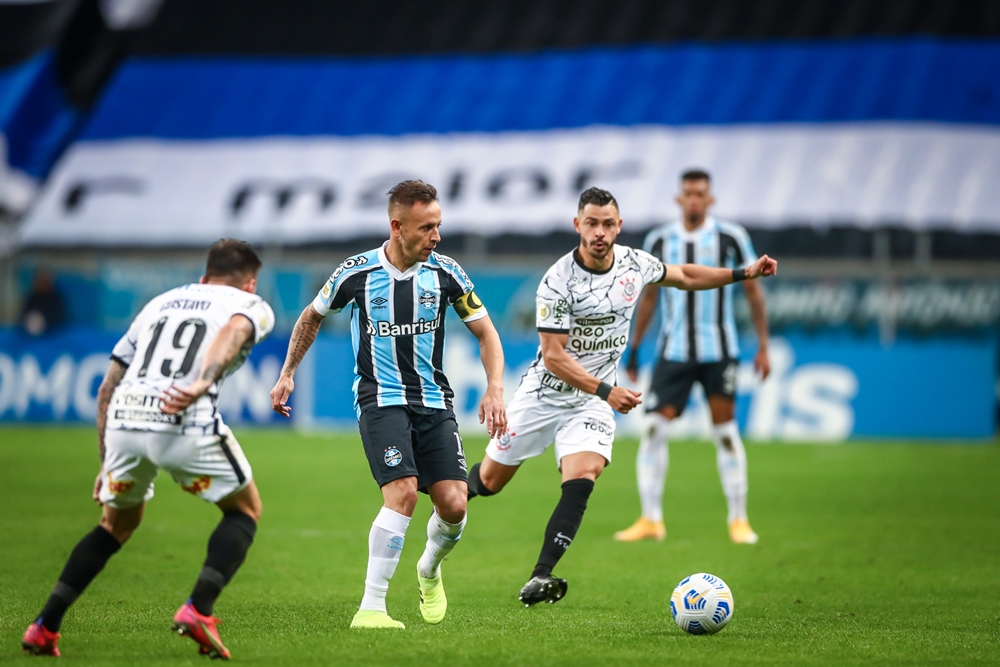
(399, 295)
(697, 344)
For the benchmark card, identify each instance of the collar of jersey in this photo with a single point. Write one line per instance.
(393, 272)
(579, 262)
(705, 227)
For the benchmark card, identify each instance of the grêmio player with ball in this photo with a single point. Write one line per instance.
(399, 295)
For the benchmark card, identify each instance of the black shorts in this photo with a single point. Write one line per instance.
(672, 382)
(412, 441)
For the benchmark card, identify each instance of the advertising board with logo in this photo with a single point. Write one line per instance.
(56, 377)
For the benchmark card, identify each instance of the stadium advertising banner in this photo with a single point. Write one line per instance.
(827, 387)
(296, 191)
(183, 151)
(55, 378)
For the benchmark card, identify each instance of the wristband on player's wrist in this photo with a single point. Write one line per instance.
(739, 274)
(603, 390)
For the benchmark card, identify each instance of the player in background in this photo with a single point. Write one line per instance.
(399, 295)
(698, 343)
(157, 408)
(567, 396)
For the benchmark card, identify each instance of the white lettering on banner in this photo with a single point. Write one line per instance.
(52, 389)
(806, 402)
(311, 188)
(71, 384)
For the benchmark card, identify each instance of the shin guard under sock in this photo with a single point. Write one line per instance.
(89, 557)
(227, 549)
(565, 521)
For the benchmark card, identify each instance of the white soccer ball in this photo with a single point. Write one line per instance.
(702, 604)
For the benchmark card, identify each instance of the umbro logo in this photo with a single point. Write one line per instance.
(379, 302)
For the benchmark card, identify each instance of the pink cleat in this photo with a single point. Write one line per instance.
(39, 641)
(188, 622)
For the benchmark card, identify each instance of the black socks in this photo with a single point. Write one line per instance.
(476, 486)
(565, 521)
(88, 558)
(227, 549)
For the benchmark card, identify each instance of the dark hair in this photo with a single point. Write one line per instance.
(597, 197)
(231, 257)
(696, 175)
(409, 193)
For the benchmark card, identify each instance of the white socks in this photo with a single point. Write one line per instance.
(385, 544)
(651, 465)
(441, 539)
(732, 461)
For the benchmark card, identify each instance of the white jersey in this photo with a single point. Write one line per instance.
(595, 310)
(165, 346)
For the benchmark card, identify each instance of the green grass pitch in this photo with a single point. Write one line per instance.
(869, 554)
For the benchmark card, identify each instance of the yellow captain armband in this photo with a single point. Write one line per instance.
(468, 305)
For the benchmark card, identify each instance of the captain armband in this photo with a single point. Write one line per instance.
(469, 306)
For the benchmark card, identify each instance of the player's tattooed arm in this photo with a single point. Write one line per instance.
(303, 335)
(559, 362)
(491, 409)
(693, 277)
(116, 371)
(232, 338)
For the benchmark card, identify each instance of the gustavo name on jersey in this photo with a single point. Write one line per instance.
(385, 329)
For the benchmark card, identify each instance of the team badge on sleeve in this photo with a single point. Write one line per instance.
(468, 306)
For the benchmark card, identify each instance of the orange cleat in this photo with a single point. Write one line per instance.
(39, 641)
(740, 532)
(189, 623)
(642, 529)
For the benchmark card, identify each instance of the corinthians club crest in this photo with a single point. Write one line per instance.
(629, 290)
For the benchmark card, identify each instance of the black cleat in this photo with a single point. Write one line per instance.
(543, 589)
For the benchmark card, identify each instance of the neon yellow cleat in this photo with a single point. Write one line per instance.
(433, 602)
(740, 532)
(369, 618)
(642, 529)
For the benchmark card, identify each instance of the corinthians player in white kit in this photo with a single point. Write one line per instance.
(568, 396)
(158, 408)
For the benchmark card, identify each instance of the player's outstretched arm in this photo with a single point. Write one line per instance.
(303, 334)
(696, 277)
(116, 371)
(491, 409)
(559, 362)
(233, 337)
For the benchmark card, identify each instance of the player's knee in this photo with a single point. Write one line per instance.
(670, 412)
(453, 510)
(121, 528)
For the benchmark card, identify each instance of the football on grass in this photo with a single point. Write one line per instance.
(702, 604)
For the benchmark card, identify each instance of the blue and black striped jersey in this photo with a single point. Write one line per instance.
(699, 326)
(397, 325)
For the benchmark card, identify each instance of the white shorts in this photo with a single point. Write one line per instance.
(533, 425)
(211, 467)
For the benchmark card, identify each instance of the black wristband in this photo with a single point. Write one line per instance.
(739, 274)
(603, 390)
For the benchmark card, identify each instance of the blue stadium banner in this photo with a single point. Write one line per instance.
(56, 377)
(830, 386)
